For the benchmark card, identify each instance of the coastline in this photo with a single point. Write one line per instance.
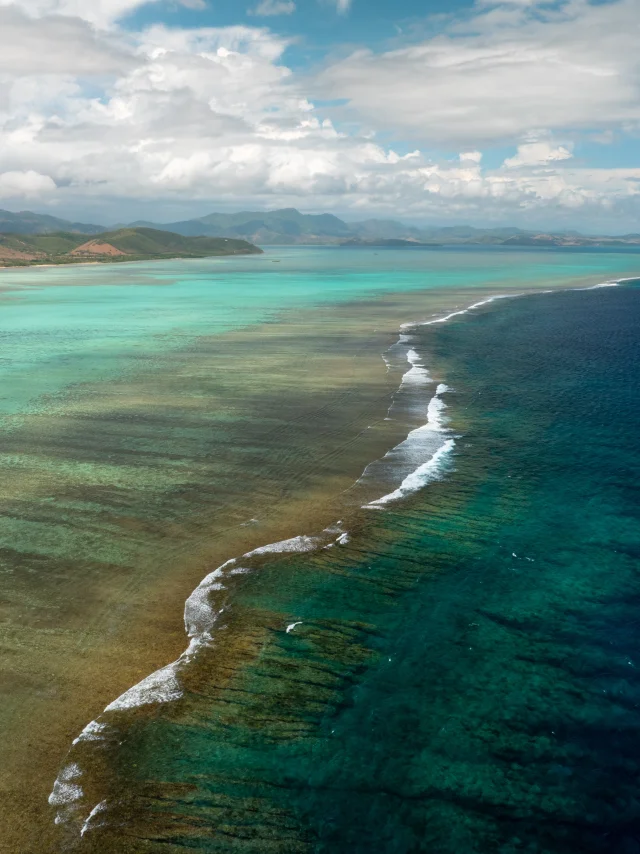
(163, 618)
(207, 603)
(151, 628)
(110, 263)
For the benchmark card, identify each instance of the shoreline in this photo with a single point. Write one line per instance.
(318, 503)
(206, 604)
(104, 263)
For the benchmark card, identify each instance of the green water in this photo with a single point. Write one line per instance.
(464, 675)
(149, 409)
(62, 327)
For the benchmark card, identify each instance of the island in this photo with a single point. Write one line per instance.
(125, 244)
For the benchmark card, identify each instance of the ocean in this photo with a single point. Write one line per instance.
(447, 663)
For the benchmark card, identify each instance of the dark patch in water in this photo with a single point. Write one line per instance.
(466, 675)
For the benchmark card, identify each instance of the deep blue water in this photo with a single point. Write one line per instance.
(505, 713)
(466, 675)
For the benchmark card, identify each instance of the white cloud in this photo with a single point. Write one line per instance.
(56, 45)
(537, 154)
(21, 184)
(471, 157)
(177, 115)
(343, 6)
(274, 7)
(99, 12)
(492, 78)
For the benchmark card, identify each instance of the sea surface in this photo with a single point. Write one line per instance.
(449, 664)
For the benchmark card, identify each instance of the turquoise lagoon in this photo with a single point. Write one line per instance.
(75, 324)
(412, 686)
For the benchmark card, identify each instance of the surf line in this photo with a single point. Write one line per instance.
(204, 608)
(201, 615)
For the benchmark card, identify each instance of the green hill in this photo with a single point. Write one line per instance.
(125, 244)
(27, 222)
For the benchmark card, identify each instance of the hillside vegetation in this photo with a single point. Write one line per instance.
(284, 227)
(125, 244)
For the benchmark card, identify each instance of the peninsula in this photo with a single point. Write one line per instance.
(125, 244)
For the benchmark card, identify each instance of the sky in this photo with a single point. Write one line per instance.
(488, 112)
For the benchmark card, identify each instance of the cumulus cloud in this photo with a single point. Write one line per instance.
(56, 45)
(171, 114)
(21, 184)
(471, 156)
(493, 77)
(537, 154)
(99, 12)
(274, 7)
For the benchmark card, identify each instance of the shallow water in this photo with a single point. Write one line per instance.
(462, 675)
(64, 326)
(144, 421)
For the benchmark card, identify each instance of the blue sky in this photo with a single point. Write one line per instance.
(318, 25)
(494, 111)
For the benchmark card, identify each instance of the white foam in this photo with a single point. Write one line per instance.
(295, 544)
(419, 457)
(70, 772)
(457, 313)
(199, 615)
(444, 318)
(163, 686)
(436, 419)
(93, 731)
(417, 374)
(101, 807)
(605, 285)
(421, 443)
(65, 793)
(434, 469)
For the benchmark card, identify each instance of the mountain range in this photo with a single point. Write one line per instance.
(26, 222)
(288, 226)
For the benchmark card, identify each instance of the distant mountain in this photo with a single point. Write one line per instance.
(571, 239)
(467, 233)
(290, 227)
(283, 227)
(125, 244)
(390, 229)
(27, 222)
